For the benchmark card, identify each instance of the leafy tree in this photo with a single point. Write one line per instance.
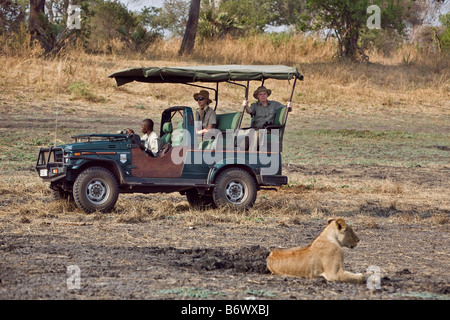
(252, 15)
(52, 36)
(145, 32)
(12, 14)
(219, 17)
(217, 24)
(112, 20)
(346, 18)
(107, 18)
(286, 12)
(173, 16)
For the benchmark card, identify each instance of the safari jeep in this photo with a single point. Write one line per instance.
(216, 169)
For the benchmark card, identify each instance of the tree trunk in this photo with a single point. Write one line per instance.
(350, 42)
(36, 9)
(188, 42)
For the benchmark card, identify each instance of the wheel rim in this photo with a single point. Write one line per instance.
(236, 192)
(97, 191)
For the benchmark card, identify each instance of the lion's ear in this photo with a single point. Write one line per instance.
(330, 220)
(341, 224)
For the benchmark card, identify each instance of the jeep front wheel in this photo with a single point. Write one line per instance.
(96, 189)
(235, 187)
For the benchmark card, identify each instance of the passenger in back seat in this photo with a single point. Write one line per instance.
(204, 114)
(263, 111)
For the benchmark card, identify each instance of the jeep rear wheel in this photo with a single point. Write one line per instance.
(96, 189)
(235, 187)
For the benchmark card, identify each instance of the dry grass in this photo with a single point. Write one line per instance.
(421, 84)
(28, 199)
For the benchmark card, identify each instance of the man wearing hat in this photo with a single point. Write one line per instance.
(263, 111)
(204, 114)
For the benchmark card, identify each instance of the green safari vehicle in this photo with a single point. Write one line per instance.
(216, 169)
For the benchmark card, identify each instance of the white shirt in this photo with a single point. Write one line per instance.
(152, 142)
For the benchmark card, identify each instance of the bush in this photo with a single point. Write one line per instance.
(445, 37)
(380, 40)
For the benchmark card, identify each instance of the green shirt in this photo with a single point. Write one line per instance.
(264, 114)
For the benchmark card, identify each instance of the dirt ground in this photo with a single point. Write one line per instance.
(401, 215)
(175, 257)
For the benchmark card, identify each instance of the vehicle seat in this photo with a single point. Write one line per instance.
(279, 116)
(177, 135)
(227, 121)
(278, 123)
(167, 130)
(278, 120)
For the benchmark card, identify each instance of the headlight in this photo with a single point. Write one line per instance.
(43, 173)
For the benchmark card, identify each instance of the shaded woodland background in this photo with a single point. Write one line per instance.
(109, 27)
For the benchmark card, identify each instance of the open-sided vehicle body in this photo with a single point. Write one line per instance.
(212, 170)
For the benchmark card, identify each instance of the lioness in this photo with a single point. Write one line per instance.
(323, 257)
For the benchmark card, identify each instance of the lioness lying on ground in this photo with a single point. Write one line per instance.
(323, 257)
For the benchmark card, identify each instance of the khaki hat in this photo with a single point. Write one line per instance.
(204, 94)
(261, 89)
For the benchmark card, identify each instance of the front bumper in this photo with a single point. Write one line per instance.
(50, 163)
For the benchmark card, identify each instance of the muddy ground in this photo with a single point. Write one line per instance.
(173, 258)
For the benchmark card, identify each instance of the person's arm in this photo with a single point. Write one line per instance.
(203, 131)
(247, 108)
(154, 145)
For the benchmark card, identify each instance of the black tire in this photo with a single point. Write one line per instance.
(198, 201)
(60, 194)
(235, 187)
(96, 189)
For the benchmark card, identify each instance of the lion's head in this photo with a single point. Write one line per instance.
(344, 233)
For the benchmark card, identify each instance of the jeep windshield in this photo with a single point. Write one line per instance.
(99, 137)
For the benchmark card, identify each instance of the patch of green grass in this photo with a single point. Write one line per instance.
(190, 292)
(366, 134)
(261, 293)
(365, 147)
(82, 90)
(424, 295)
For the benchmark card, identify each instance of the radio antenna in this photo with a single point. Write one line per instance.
(57, 100)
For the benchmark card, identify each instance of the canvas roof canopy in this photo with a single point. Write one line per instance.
(218, 73)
